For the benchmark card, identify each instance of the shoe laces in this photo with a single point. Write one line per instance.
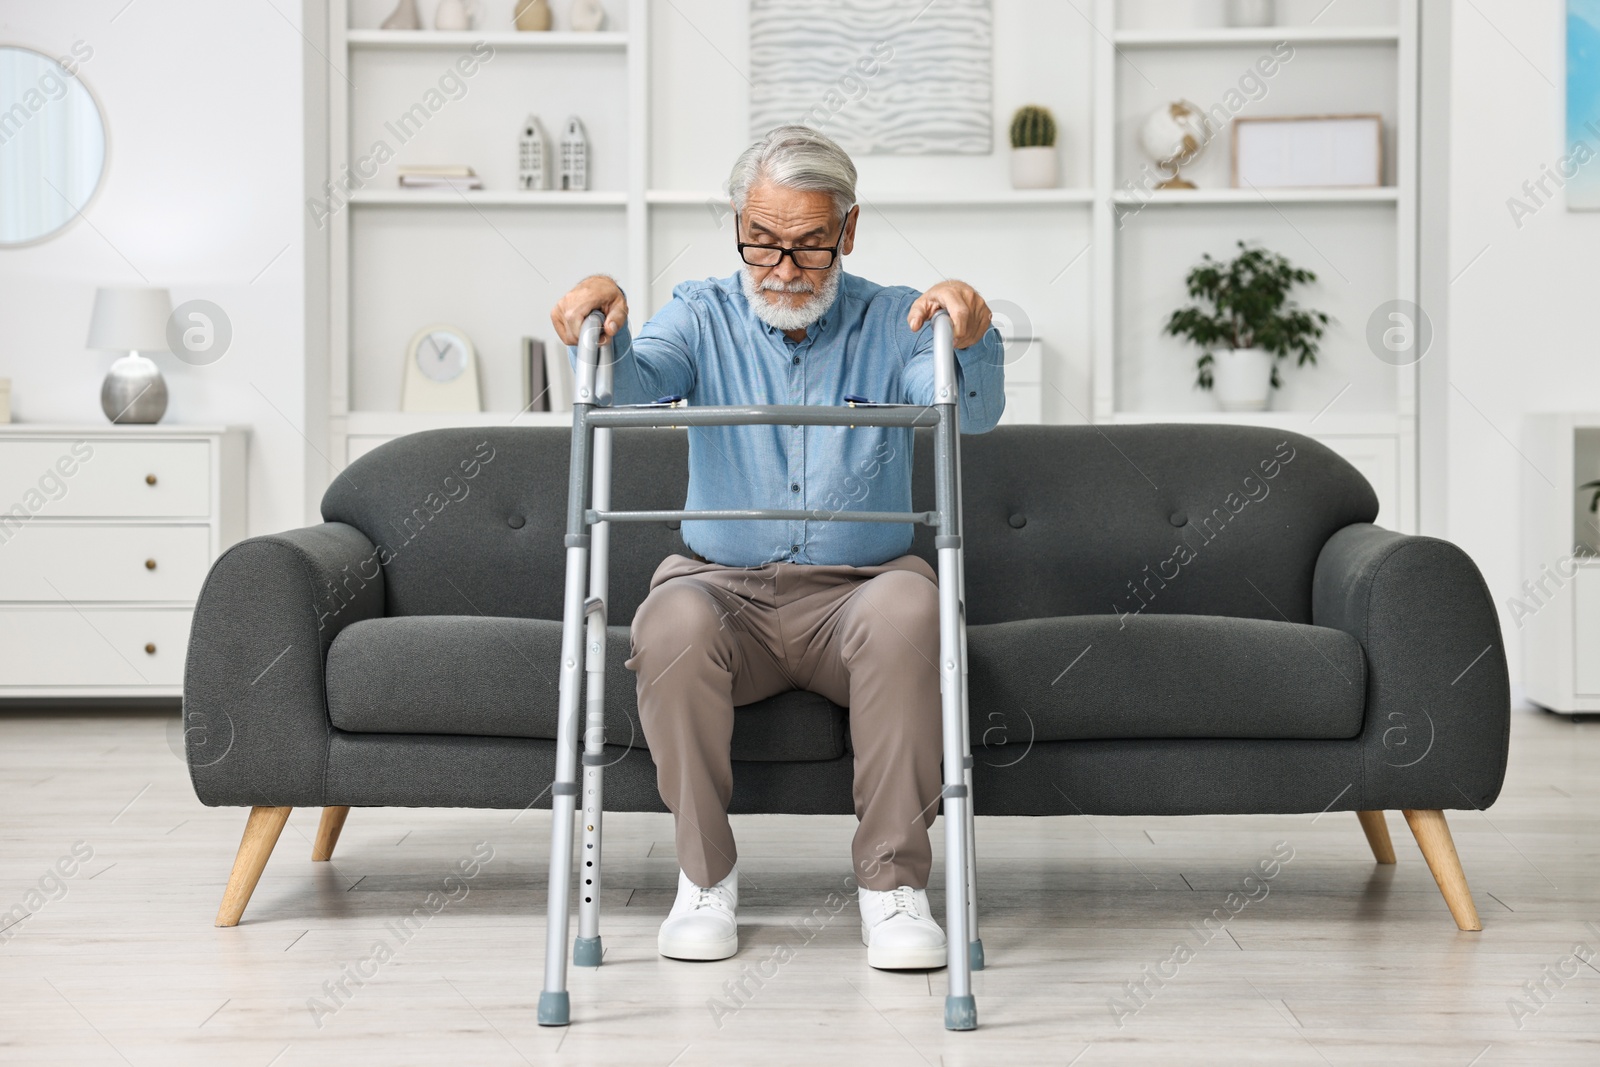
(903, 901)
(709, 897)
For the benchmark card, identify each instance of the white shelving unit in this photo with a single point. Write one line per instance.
(1362, 242)
(402, 258)
(1089, 270)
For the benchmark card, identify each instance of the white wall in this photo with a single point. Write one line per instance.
(204, 193)
(1521, 310)
(203, 102)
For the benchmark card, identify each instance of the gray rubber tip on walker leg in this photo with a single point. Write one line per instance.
(555, 1009)
(975, 954)
(960, 1013)
(586, 952)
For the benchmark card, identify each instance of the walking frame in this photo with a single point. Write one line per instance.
(589, 519)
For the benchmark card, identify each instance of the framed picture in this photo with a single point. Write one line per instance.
(1583, 105)
(1308, 152)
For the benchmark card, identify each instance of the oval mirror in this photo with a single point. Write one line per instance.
(52, 146)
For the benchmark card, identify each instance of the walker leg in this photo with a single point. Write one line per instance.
(554, 1004)
(960, 1009)
(586, 950)
(975, 944)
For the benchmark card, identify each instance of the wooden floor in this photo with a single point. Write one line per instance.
(1340, 962)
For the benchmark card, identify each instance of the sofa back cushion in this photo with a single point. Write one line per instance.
(1170, 518)
(1060, 520)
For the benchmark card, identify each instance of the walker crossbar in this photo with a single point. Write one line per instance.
(583, 642)
(663, 415)
(925, 518)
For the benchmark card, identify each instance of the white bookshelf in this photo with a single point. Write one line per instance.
(1093, 267)
(1361, 242)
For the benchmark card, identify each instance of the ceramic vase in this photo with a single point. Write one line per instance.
(1251, 13)
(404, 17)
(533, 15)
(455, 14)
(587, 16)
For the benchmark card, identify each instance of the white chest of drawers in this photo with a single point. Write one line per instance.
(106, 533)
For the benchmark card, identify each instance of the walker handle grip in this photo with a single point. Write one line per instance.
(945, 386)
(593, 380)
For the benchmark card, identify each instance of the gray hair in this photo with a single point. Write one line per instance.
(795, 157)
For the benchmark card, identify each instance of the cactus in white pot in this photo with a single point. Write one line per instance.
(1033, 148)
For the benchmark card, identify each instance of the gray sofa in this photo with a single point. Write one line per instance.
(1163, 620)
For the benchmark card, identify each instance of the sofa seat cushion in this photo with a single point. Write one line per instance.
(498, 677)
(1162, 676)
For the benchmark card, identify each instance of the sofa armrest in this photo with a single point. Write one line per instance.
(1438, 720)
(255, 705)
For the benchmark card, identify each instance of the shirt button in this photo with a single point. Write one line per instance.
(794, 487)
(797, 360)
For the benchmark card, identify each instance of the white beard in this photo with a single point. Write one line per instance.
(783, 316)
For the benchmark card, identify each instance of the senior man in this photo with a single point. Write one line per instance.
(837, 608)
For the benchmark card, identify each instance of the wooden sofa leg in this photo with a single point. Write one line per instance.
(328, 833)
(260, 834)
(1377, 835)
(1433, 837)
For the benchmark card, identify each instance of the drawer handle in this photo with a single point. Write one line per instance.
(150, 649)
(149, 564)
(149, 479)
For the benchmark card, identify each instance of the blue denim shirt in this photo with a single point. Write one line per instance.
(708, 346)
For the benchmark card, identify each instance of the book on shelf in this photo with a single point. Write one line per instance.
(439, 176)
(535, 397)
(440, 170)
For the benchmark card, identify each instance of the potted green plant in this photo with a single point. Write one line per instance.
(1033, 148)
(1245, 322)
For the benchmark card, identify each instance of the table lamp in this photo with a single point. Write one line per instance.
(132, 321)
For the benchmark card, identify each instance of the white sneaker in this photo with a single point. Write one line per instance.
(702, 924)
(898, 928)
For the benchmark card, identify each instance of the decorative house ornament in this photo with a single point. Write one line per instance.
(403, 17)
(532, 15)
(574, 156)
(533, 157)
(880, 77)
(587, 16)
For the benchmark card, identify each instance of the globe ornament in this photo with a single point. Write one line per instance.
(1173, 137)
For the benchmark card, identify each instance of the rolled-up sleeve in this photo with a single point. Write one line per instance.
(980, 372)
(657, 363)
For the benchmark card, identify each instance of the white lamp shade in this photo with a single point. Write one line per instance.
(130, 320)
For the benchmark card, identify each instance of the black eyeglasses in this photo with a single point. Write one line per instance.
(804, 258)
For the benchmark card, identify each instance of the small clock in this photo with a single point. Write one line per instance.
(441, 372)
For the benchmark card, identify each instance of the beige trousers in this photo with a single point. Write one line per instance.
(709, 638)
